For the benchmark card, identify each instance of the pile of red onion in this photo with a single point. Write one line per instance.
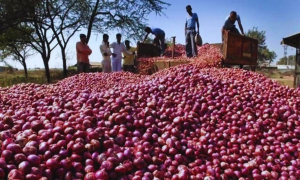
(207, 54)
(186, 122)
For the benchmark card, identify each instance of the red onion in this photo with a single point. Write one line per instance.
(7, 155)
(101, 174)
(2, 173)
(15, 174)
(52, 164)
(34, 160)
(24, 167)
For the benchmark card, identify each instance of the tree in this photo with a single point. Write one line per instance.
(64, 22)
(15, 45)
(290, 60)
(18, 53)
(13, 12)
(264, 54)
(40, 40)
(129, 16)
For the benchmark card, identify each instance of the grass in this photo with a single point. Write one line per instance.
(38, 76)
(283, 78)
(34, 76)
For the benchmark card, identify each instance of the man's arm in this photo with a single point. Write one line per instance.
(105, 51)
(83, 49)
(197, 22)
(112, 45)
(88, 50)
(146, 37)
(185, 26)
(124, 50)
(241, 26)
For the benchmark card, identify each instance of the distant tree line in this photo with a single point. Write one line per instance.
(289, 60)
(264, 54)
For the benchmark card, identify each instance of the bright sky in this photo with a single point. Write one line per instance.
(279, 18)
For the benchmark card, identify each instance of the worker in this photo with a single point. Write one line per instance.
(128, 64)
(190, 32)
(229, 24)
(159, 34)
(106, 53)
(118, 48)
(83, 52)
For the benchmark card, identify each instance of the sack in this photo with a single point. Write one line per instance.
(198, 40)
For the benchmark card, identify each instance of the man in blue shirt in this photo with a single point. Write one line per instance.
(159, 34)
(229, 24)
(190, 32)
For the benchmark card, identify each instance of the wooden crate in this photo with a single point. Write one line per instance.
(146, 50)
(239, 50)
(167, 64)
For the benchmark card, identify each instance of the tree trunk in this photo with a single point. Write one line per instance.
(25, 68)
(64, 59)
(47, 70)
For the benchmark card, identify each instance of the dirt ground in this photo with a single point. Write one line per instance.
(283, 78)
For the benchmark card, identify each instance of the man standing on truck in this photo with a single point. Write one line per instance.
(159, 34)
(83, 52)
(190, 32)
(229, 24)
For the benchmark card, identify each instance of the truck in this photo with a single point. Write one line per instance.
(239, 50)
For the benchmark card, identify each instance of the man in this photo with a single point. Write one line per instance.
(128, 64)
(159, 34)
(229, 24)
(190, 32)
(118, 48)
(83, 52)
(106, 53)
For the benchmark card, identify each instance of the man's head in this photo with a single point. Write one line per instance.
(119, 36)
(105, 38)
(82, 38)
(148, 30)
(127, 43)
(233, 16)
(188, 9)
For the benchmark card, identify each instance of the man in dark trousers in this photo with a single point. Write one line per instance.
(229, 24)
(190, 32)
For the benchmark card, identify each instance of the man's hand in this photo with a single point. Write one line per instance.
(105, 54)
(114, 55)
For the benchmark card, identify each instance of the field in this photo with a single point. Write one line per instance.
(38, 76)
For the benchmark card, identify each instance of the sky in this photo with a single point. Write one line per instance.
(279, 18)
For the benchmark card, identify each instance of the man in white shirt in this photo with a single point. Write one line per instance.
(106, 53)
(118, 48)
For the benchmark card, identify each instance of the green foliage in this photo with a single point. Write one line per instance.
(13, 12)
(290, 60)
(264, 54)
(128, 17)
